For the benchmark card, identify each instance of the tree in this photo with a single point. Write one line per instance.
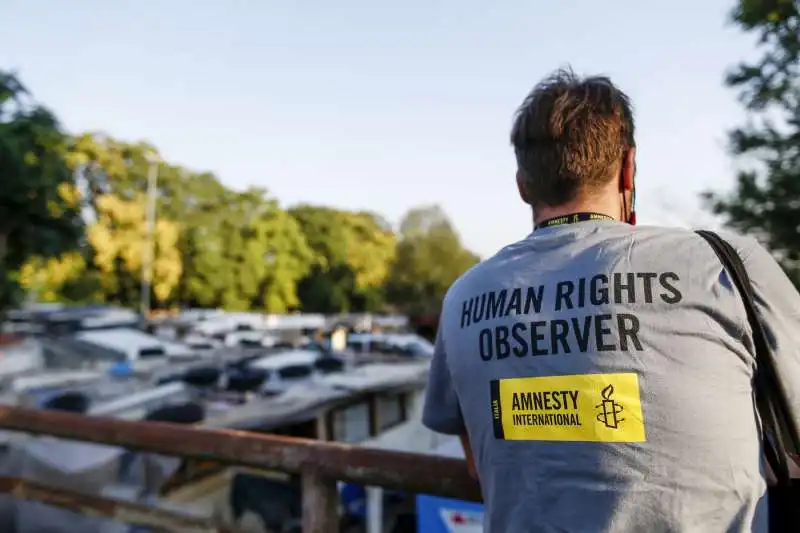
(197, 201)
(257, 255)
(117, 240)
(67, 278)
(353, 252)
(112, 181)
(371, 247)
(193, 201)
(430, 257)
(766, 198)
(329, 284)
(216, 247)
(38, 215)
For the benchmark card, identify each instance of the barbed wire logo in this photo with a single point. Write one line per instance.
(609, 409)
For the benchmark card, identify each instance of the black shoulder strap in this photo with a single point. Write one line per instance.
(769, 398)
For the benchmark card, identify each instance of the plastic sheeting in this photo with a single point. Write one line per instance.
(70, 465)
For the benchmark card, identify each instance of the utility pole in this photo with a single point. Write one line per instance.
(148, 250)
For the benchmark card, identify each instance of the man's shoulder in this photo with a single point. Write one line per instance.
(745, 245)
(672, 232)
(762, 266)
(748, 247)
(674, 246)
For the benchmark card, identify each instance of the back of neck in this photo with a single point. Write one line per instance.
(544, 212)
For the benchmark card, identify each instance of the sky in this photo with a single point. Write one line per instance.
(384, 106)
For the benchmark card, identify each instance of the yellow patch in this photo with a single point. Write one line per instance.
(585, 408)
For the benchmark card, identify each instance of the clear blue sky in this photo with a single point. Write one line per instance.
(383, 105)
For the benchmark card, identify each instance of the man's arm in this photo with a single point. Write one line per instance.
(442, 412)
(468, 455)
(778, 304)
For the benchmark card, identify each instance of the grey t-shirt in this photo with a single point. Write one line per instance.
(603, 373)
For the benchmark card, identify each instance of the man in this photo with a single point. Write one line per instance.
(600, 374)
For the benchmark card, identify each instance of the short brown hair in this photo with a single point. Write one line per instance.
(568, 134)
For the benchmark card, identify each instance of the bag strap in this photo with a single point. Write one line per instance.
(768, 390)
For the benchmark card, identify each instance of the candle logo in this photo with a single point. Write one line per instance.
(609, 409)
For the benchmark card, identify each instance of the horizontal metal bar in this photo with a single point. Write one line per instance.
(119, 511)
(417, 473)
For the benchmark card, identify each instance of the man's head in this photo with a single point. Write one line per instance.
(574, 144)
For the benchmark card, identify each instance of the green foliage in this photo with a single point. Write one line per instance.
(352, 255)
(430, 257)
(263, 252)
(766, 198)
(213, 247)
(38, 215)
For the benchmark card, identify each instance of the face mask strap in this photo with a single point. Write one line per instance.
(632, 215)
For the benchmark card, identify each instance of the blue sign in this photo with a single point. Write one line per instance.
(443, 515)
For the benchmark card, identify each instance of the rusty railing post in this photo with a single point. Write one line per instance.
(320, 502)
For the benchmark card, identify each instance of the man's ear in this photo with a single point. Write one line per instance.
(523, 191)
(628, 171)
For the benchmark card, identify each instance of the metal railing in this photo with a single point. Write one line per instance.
(120, 511)
(319, 464)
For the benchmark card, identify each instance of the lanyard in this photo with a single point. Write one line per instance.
(571, 219)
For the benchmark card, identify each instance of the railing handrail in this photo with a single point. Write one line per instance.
(412, 472)
(121, 511)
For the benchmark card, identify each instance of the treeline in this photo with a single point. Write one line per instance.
(73, 211)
